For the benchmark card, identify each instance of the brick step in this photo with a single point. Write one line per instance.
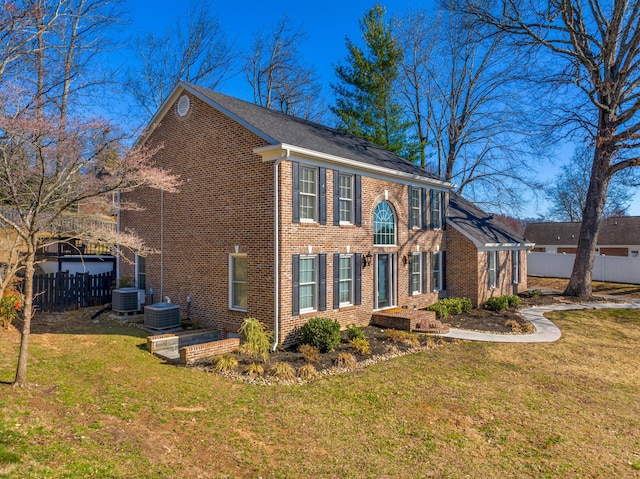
(410, 320)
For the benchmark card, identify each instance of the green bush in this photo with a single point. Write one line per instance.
(448, 306)
(257, 339)
(323, 333)
(224, 363)
(513, 300)
(355, 332)
(497, 303)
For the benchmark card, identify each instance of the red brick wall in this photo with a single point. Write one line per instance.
(467, 270)
(226, 205)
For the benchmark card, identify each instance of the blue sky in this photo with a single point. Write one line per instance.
(327, 23)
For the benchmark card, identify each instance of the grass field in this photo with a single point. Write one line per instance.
(100, 406)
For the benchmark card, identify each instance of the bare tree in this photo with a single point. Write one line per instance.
(460, 88)
(597, 47)
(194, 50)
(51, 156)
(568, 195)
(279, 78)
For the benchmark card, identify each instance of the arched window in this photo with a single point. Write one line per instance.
(384, 225)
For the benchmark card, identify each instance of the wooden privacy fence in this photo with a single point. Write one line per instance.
(63, 291)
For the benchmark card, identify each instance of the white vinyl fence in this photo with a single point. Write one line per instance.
(617, 269)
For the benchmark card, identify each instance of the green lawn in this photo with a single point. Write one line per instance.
(102, 407)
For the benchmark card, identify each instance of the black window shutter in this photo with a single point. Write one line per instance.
(410, 268)
(357, 183)
(431, 218)
(295, 281)
(336, 281)
(357, 280)
(410, 206)
(443, 209)
(425, 272)
(423, 205)
(322, 213)
(443, 260)
(296, 191)
(322, 280)
(336, 197)
(497, 268)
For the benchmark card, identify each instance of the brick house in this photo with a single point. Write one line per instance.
(283, 220)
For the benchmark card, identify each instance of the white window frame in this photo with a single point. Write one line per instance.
(515, 266)
(314, 307)
(233, 281)
(349, 280)
(415, 273)
(386, 235)
(436, 274)
(492, 269)
(349, 200)
(303, 194)
(416, 210)
(436, 213)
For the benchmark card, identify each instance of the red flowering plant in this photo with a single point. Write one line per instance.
(11, 304)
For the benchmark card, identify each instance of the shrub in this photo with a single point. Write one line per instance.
(513, 300)
(346, 361)
(282, 371)
(535, 292)
(405, 337)
(514, 325)
(254, 370)
(308, 371)
(355, 332)
(257, 339)
(361, 345)
(11, 304)
(322, 333)
(497, 303)
(448, 306)
(311, 354)
(224, 363)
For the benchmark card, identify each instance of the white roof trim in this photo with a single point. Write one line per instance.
(490, 246)
(272, 152)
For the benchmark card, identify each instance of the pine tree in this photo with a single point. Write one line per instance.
(365, 101)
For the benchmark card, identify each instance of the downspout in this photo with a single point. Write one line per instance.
(118, 229)
(276, 251)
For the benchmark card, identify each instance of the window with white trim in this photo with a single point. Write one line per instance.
(308, 184)
(384, 225)
(346, 198)
(416, 209)
(416, 273)
(346, 280)
(238, 282)
(515, 266)
(492, 269)
(435, 210)
(308, 286)
(436, 270)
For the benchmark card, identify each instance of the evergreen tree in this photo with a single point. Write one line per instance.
(365, 101)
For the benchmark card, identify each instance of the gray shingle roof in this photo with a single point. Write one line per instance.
(278, 128)
(620, 230)
(479, 225)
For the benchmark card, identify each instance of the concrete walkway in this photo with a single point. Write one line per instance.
(546, 331)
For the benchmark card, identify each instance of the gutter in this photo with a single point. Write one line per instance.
(276, 250)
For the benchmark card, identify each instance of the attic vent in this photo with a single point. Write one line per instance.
(183, 105)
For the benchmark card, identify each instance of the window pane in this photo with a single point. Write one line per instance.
(307, 270)
(415, 208)
(240, 295)
(308, 180)
(307, 296)
(345, 268)
(415, 273)
(384, 225)
(307, 207)
(239, 268)
(345, 292)
(346, 198)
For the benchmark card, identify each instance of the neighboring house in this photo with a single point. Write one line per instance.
(283, 220)
(618, 236)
